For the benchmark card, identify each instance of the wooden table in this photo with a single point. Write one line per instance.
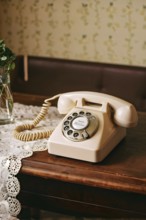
(115, 187)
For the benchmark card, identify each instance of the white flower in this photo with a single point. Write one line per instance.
(3, 58)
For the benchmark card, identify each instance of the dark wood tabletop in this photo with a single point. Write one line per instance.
(114, 187)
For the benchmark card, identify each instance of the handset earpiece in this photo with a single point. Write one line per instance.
(126, 116)
(65, 104)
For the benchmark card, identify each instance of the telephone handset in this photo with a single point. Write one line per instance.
(94, 124)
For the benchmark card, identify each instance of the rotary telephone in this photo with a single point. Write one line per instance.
(93, 125)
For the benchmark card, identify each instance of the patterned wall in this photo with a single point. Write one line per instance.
(112, 31)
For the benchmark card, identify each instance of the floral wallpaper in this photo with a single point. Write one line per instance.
(111, 31)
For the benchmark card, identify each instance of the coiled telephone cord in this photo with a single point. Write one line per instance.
(20, 131)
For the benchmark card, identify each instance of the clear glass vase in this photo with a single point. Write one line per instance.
(6, 98)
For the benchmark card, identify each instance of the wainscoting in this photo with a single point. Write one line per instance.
(35, 214)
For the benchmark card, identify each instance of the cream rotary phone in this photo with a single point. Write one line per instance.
(94, 124)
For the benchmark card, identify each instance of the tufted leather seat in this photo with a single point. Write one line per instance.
(50, 76)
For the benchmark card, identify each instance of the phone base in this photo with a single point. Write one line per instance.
(87, 150)
(93, 149)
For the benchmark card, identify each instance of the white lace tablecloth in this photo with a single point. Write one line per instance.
(12, 151)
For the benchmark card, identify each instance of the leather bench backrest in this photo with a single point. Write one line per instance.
(50, 76)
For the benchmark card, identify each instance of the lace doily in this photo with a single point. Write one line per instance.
(12, 151)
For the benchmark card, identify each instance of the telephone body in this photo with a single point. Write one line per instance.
(94, 124)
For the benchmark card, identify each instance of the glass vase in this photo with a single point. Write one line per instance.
(6, 98)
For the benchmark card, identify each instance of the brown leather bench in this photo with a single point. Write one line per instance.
(50, 76)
